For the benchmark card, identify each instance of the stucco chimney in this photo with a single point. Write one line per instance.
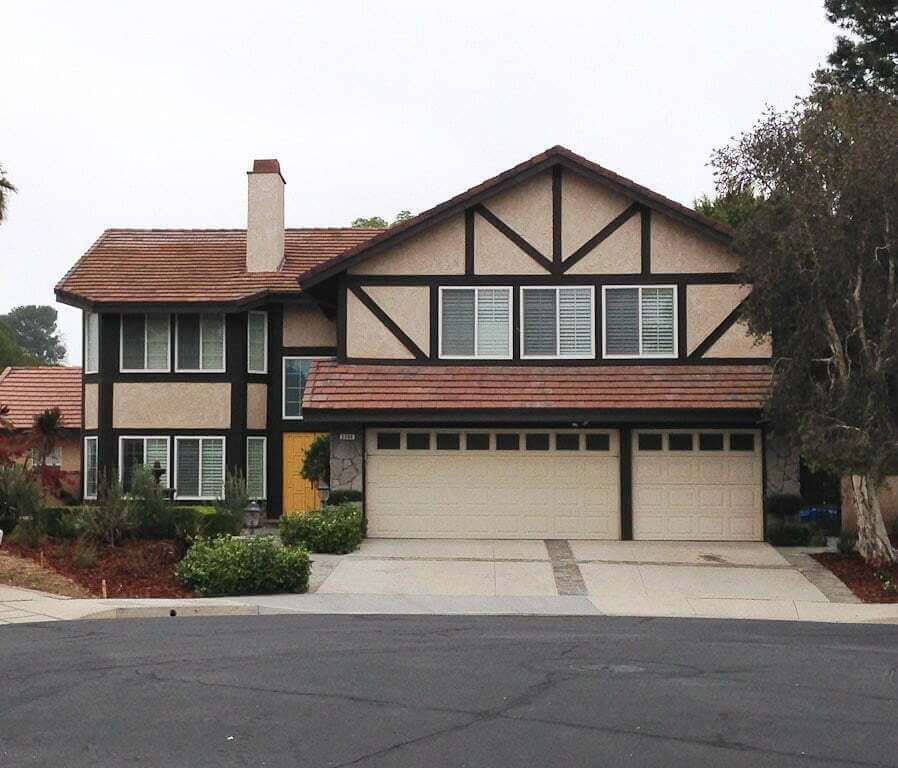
(265, 217)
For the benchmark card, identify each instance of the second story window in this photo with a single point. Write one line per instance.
(91, 342)
(257, 342)
(296, 372)
(145, 343)
(475, 323)
(557, 322)
(200, 343)
(640, 321)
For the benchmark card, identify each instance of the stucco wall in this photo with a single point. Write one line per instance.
(495, 254)
(619, 253)
(306, 326)
(408, 307)
(586, 208)
(91, 406)
(527, 209)
(738, 341)
(439, 250)
(366, 336)
(678, 248)
(707, 306)
(256, 405)
(265, 222)
(171, 405)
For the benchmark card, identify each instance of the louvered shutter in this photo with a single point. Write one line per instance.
(622, 321)
(493, 322)
(212, 481)
(575, 323)
(457, 333)
(657, 321)
(188, 460)
(257, 338)
(157, 450)
(540, 332)
(157, 342)
(255, 467)
(212, 328)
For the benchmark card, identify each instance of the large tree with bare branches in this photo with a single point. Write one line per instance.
(819, 247)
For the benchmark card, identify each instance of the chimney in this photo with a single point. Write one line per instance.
(265, 217)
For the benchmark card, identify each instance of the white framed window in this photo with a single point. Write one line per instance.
(257, 342)
(91, 468)
(91, 342)
(256, 465)
(475, 323)
(142, 451)
(200, 343)
(558, 322)
(144, 343)
(640, 321)
(199, 467)
(52, 459)
(295, 372)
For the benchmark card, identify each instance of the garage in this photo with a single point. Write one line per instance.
(473, 484)
(698, 485)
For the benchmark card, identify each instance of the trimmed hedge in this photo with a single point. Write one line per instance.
(336, 498)
(331, 530)
(232, 566)
(790, 534)
(783, 506)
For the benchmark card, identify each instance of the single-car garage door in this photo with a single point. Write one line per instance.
(697, 484)
(475, 484)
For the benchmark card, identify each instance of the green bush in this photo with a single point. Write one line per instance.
(85, 554)
(21, 493)
(783, 506)
(150, 508)
(233, 566)
(789, 535)
(332, 530)
(110, 520)
(847, 542)
(60, 522)
(27, 533)
(230, 508)
(316, 465)
(818, 537)
(337, 498)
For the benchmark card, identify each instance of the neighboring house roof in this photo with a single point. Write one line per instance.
(557, 155)
(333, 387)
(30, 391)
(193, 265)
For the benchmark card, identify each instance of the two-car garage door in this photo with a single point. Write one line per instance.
(686, 484)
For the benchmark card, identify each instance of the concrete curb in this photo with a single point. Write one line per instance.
(162, 611)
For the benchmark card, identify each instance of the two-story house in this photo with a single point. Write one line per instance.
(555, 353)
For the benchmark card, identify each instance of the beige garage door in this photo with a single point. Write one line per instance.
(697, 484)
(476, 484)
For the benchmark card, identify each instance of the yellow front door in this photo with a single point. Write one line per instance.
(300, 495)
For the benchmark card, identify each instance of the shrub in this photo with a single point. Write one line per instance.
(152, 513)
(20, 494)
(783, 506)
(789, 535)
(230, 508)
(85, 554)
(332, 530)
(847, 542)
(342, 497)
(818, 537)
(109, 521)
(60, 522)
(316, 465)
(27, 533)
(233, 566)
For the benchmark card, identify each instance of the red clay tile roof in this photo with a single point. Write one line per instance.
(193, 265)
(334, 386)
(30, 391)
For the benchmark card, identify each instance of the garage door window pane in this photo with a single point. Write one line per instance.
(710, 441)
(537, 441)
(448, 441)
(650, 441)
(742, 442)
(677, 441)
(388, 441)
(598, 443)
(567, 442)
(417, 441)
(477, 441)
(508, 441)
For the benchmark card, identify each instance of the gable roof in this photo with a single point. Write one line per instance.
(29, 391)
(553, 156)
(193, 265)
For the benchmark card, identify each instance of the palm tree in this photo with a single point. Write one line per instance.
(47, 432)
(6, 187)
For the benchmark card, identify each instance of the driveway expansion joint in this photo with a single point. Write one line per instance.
(568, 578)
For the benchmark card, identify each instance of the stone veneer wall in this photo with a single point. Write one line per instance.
(347, 459)
(783, 475)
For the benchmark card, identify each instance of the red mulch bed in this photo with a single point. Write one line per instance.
(859, 577)
(137, 568)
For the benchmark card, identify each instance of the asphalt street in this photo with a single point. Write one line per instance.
(447, 691)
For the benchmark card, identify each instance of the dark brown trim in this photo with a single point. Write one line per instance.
(238, 304)
(273, 417)
(557, 254)
(469, 241)
(308, 352)
(711, 339)
(763, 483)
(682, 319)
(646, 241)
(605, 232)
(625, 449)
(434, 310)
(619, 278)
(565, 362)
(388, 323)
(519, 241)
(341, 322)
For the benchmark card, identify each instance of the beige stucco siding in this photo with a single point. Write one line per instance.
(307, 326)
(527, 209)
(495, 254)
(256, 405)
(408, 307)
(619, 253)
(678, 248)
(586, 208)
(707, 306)
(171, 405)
(91, 406)
(738, 341)
(366, 336)
(265, 228)
(439, 250)
(71, 454)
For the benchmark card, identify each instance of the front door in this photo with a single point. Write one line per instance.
(300, 495)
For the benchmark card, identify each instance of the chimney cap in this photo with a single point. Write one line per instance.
(268, 166)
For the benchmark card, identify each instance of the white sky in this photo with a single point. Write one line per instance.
(128, 114)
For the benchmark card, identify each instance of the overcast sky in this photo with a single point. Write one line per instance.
(127, 114)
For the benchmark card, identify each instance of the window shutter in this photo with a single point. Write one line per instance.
(539, 322)
(212, 327)
(133, 341)
(657, 321)
(457, 333)
(257, 354)
(255, 467)
(157, 450)
(157, 341)
(92, 343)
(622, 321)
(212, 481)
(188, 342)
(132, 458)
(493, 322)
(575, 321)
(188, 478)
(90, 467)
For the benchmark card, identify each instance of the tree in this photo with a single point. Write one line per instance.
(868, 59)
(34, 330)
(378, 222)
(820, 250)
(730, 208)
(10, 352)
(6, 187)
(46, 433)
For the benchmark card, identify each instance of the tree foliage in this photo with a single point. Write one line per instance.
(869, 57)
(730, 208)
(378, 222)
(34, 330)
(6, 188)
(819, 248)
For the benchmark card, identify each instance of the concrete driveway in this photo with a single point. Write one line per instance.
(636, 578)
